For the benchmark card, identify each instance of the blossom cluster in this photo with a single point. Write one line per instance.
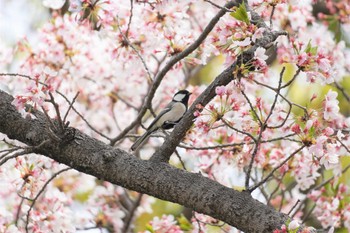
(165, 224)
(329, 200)
(109, 54)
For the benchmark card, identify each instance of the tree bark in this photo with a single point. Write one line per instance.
(158, 179)
(154, 177)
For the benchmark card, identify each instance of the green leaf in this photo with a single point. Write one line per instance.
(149, 228)
(342, 230)
(294, 231)
(82, 196)
(241, 14)
(184, 224)
(312, 131)
(335, 27)
(252, 113)
(310, 49)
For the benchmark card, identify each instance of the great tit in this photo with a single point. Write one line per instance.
(168, 117)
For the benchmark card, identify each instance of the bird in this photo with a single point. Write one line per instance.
(168, 117)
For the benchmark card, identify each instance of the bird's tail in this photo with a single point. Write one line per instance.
(139, 141)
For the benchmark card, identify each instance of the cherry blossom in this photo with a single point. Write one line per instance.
(331, 106)
(164, 224)
(53, 4)
(100, 60)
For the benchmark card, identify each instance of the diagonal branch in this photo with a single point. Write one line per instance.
(165, 151)
(276, 168)
(39, 193)
(175, 59)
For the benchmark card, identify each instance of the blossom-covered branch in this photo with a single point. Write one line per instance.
(93, 157)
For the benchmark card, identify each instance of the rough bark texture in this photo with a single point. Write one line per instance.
(158, 179)
(154, 177)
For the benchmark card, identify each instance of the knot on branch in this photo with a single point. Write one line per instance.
(108, 156)
(63, 137)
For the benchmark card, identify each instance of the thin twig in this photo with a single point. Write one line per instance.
(26, 150)
(251, 107)
(282, 199)
(256, 148)
(5, 159)
(220, 146)
(276, 96)
(331, 178)
(271, 15)
(19, 211)
(261, 188)
(223, 146)
(237, 130)
(10, 144)
(263, 126)
(251, 189)
(207, 223)
(58, 114)
(198, 222)
(175, 59)
(48, 118)
(276, 189)
(284, 120)
(295, 205)
(8, 151)
(283, 97)
(149, 76)
(306, 216)
(342, 90)
(345, 147)
(91, 228)
(292, 80)
(129, 217)
(278, 91)
(179, 157)
(40, 192)
(67, 100)
(128, 104)
(83, 118)
(130, 18)
(218, 6)
(70, 107)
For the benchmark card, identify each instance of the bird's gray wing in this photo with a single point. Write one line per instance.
(152, 126)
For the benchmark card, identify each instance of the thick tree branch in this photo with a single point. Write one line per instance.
(160, 180)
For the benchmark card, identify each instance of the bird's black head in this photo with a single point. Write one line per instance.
(182, 96)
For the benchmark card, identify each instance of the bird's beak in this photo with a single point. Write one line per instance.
(189, 94)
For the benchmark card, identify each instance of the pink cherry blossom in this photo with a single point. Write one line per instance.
(260, 54)
(53, 4)
(111, 53)
(258, 34)
(293, 225)
(331, 107)
(165, 224)
(220, 91)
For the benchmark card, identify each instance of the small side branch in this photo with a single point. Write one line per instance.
(263, 181)
(39, 193)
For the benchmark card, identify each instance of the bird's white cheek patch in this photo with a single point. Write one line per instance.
(179, 97)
